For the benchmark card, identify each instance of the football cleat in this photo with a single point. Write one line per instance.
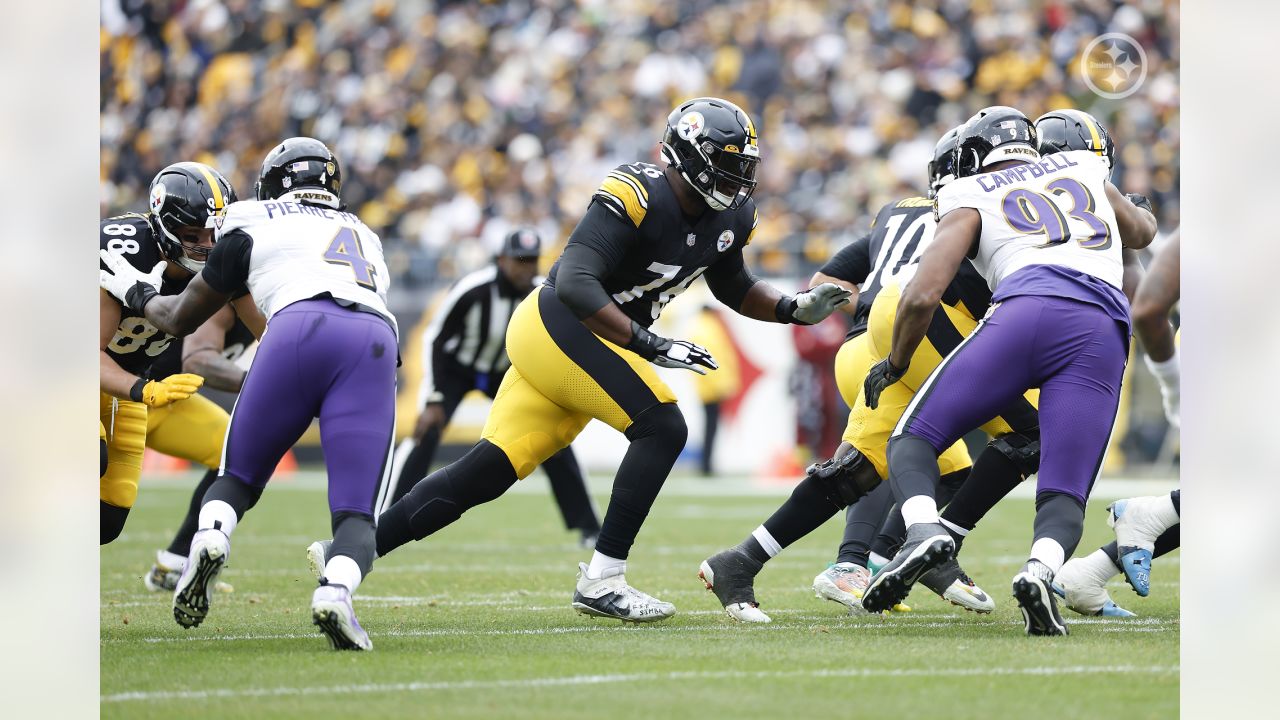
(331, 611)
(193, 592)
(731, 576)
(844, 583)
(927, 546)
(612, 597)
(317, 556)
(162, 578)
(949, 582)
(1137, 528)
(1084, 589)
(1040, 614)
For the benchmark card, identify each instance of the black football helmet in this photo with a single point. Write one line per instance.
(713, 144)
(942, 168)
(187, 195)
(1063, 130)
(300, 162)
(993, 135)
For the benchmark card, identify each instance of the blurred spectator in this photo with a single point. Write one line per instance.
(457, 120)
(710, 331)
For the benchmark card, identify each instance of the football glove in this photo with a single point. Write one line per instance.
(128, 284)
(812, 306)
(158, 393)
(668, 353)
(1141, 201)
(882, 375)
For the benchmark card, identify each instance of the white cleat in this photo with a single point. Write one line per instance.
(331, 611)
(1083, 586)
(317, 556)
(843, 583)
(194, 589)
(612, 597)
(163, 576)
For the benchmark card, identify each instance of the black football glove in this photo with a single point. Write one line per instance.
(882, 375)
(1141, 201)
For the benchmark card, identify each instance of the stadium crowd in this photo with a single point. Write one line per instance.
(457, 120)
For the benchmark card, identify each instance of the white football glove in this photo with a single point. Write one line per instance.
(120, 277)
(814, 305)
(1168, 374)
(684, 355)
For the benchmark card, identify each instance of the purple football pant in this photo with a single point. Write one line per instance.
(318, 359)
(1073, 351)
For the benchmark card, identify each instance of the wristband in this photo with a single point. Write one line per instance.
(785, 310)
(139, 295)
(643, 342)
(135, 392)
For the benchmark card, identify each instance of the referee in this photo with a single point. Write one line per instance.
(465, 349)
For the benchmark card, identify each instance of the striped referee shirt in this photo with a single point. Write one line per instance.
(468, 334)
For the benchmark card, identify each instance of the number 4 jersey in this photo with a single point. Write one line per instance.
(1049, 213)
(137, 343)
(288, 249)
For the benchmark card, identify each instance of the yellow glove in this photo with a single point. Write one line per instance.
(158, 393)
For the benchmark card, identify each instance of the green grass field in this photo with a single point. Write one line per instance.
(475, 623)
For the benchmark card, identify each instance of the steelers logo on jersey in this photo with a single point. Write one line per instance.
(691, 125)
(724, 241)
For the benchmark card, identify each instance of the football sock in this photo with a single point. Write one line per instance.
(604, 566)
(181, 543)
(878, 559)
(803, 512)
(226, 501)
(342, 570)
(1060, 518)
(657, 436)
(862, 521)
(220, 515)
(993, 477)
(353, 537)
(1048, 551)
(913, 472)
(919, 509)
(483, 474)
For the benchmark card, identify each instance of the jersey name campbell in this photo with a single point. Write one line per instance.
(1051, 212)
(667, 252)
(137, 344)
(301, 251)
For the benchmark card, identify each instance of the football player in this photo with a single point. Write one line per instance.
(1047, 235)
(144, 400)
(880, 262)
(318, 274)
(581, 348)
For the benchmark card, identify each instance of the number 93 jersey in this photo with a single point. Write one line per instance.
(1050, 212)
(286, 250)
(666, 252)
(137, 343)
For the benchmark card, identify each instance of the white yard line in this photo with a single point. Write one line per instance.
(572, 680)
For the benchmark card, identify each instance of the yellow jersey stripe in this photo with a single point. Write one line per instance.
(626, 196)
(218, 201)
(640, 191)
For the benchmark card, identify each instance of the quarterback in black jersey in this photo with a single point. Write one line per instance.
(580, 346)
(134, 383)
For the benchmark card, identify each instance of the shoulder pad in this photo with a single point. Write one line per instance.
(961, 192)
(239, 215)
(625, 191)
(130, 235)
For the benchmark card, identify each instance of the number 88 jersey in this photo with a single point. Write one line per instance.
(137, 343)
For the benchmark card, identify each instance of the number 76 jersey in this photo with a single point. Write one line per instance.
(286, 250)
(1049, 212)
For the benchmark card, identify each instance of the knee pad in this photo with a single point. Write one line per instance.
(662, 421)
(846, 478)
(1023, 449)
(110, 522)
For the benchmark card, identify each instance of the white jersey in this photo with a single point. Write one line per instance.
(1051, 212)
(303, 250)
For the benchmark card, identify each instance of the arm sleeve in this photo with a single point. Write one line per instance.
(595, 249)
(730, 280)
(852, 263)
(227, 269)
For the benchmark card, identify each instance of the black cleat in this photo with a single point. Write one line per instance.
(731, 576)
(1031, 588)
(926, 547)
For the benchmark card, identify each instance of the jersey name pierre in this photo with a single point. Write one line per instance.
(278, 209)
(991, 181)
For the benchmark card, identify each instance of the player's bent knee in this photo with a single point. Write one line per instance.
(1022, 449)
(111, 521)
(845, 478)
(664, 421)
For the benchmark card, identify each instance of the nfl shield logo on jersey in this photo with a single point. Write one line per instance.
(724, 241)
(691, 239)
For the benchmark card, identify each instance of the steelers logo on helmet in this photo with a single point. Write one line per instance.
(158, 194)
(724, 241)
(691, 125)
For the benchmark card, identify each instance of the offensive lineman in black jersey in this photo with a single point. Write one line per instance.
(580, 346)
(183, 197)
(880, 262)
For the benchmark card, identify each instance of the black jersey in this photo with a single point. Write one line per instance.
(137, 343)
(235, 343)
(901, 232)
(665, 251)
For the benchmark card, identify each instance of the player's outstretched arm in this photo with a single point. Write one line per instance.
(737, 288)
(202, 353)
(849, 308)
(1155, 299)
(1137, 222)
